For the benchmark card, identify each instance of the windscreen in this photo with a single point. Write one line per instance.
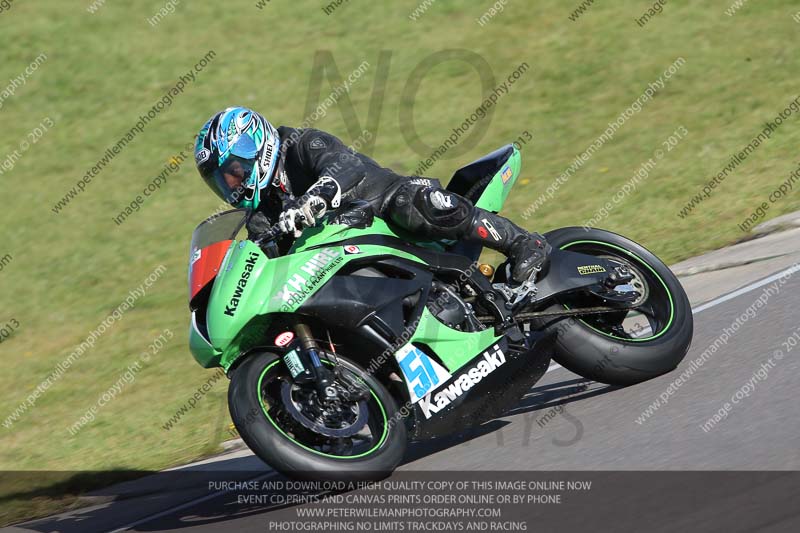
(222, 227)
(210, 242)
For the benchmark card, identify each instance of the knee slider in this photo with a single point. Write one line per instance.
(443, 208)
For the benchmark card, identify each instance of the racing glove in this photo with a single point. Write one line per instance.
(306, 210)
(302, 215)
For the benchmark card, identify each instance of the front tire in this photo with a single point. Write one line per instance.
(296, 451)
(599, 350)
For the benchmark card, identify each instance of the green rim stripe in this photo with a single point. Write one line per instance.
(642, 261)
(378, 445)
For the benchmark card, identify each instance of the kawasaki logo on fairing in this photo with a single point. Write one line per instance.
(249, 265)
(463, 383)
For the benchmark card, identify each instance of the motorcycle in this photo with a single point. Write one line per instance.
(359, 338)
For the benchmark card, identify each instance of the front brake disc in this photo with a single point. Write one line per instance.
(316, 424)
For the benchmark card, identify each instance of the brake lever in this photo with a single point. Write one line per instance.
(266, 242)
(268, 236)
(275, 231)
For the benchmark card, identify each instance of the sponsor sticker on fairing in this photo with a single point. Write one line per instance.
(491, 361)
(312, 274)
(352, 249)
(506, 175)
(284, 339)
(422, 374)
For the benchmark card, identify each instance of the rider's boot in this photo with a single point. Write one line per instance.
(528, 252)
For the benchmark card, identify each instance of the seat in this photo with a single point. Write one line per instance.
(471, 180)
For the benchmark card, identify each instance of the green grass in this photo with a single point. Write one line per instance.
(105, 69)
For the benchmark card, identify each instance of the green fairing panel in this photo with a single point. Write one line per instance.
(495, 194)
(455, 348)
(203, 352)
(336, 232)
(250, 287)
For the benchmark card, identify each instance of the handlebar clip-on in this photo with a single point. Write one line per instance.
(266, 241)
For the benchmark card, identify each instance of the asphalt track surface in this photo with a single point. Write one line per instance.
(568, 424)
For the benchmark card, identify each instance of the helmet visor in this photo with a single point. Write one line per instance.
(231, 181)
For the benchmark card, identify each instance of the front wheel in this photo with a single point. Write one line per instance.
(628, 347)
(290, 429)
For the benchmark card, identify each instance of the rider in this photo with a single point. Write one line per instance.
(290, 177)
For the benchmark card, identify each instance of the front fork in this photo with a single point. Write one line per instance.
(302, 355)
(302, 359)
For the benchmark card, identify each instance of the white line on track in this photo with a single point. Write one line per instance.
(553, 366)
(749, 288)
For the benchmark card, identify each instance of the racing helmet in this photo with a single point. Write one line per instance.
(237, 154)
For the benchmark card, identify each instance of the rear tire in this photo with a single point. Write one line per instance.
(603, 357)
(278, 448)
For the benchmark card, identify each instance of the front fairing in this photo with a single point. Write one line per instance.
(249, 288)
(250, 284)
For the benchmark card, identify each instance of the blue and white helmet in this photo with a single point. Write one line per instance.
(237, 154)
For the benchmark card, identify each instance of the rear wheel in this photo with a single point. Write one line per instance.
(293, 431)
(630, 346)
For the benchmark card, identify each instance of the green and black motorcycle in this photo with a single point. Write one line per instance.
(360, 338)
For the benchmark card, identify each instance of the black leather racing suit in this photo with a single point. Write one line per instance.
(417, 204)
